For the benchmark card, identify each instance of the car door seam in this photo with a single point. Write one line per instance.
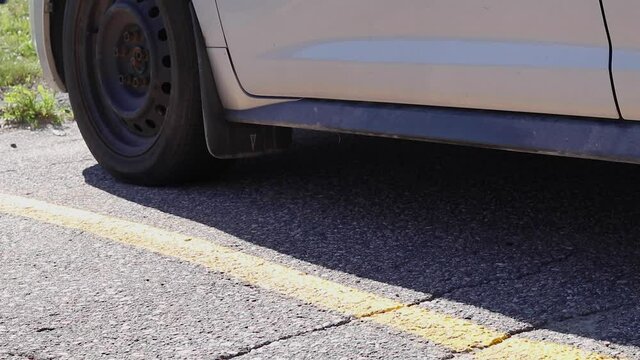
(611, 78)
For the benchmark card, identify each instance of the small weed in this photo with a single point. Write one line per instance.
(22, 104)
(26, 107)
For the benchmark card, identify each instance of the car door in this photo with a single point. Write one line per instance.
(543, 56)
(622, 19)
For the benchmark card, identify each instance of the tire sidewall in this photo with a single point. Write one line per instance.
(181, 141)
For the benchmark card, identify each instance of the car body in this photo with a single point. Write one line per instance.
(539, 76)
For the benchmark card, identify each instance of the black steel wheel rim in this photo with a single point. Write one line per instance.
(127, 72)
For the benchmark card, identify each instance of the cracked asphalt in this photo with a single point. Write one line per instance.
(539, 247)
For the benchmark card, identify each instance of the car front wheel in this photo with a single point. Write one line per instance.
(131, 71)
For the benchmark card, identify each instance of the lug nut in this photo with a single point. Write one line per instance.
(139, 82)
(132, 36)
(118, 52)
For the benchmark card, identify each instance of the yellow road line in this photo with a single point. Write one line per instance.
(525, 349)
(453, 333)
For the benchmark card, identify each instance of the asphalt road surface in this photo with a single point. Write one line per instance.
(539, 253)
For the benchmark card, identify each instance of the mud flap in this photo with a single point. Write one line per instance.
(227, 140)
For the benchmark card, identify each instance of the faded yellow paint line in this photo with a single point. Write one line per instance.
(453, 333)
(525, 349)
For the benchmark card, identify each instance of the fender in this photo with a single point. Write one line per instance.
(47, 20)
(46, 30)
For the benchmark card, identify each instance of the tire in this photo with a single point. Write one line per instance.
(131, 72)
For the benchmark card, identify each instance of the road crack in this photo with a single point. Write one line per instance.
(547, 325)
(45, 329)
(588, 314)
(343, 322)
(538, 270)
(250, 349)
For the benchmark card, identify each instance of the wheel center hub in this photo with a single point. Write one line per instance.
(125, 54)
(139, 60)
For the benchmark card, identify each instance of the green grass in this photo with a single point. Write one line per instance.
(18, 59)
(24, 101)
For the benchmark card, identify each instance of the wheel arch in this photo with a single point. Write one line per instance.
(47, 23)
(224, 140)
(47, 19)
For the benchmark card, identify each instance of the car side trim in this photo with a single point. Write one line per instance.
(593, 138)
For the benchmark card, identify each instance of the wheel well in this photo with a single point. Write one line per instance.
(56, 28)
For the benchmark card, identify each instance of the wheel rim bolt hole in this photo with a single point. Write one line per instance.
(166, 61)
(154, 12)
(162, 35)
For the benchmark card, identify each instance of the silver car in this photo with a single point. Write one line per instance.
(165, 89)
